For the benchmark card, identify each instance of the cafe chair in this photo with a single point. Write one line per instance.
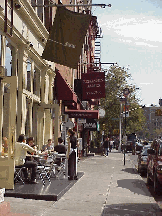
(42, 171)
(18, 174)
(60, 167)
(51, 166)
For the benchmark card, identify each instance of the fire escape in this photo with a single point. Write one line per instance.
(94, 46)
(97, 54)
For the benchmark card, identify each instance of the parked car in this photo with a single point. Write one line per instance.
(146, 147)
(129, 147)
(154, 165)
(139, 147)
(142, 161)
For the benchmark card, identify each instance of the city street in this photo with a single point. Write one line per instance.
(77, 79)
(106, 188)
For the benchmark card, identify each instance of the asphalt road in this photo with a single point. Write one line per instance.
(157, 197)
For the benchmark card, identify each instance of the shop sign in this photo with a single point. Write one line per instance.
(93, 85)
(91, 114)
(90, 125)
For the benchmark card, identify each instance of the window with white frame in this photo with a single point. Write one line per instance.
(45, 14)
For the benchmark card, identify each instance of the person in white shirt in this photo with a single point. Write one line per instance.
(111, 144)
(21, 149)
(48, 146)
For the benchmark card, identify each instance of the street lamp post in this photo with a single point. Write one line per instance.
(126, 93)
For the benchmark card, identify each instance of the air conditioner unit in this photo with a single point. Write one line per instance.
(64, 118)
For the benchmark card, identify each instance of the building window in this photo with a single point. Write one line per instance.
(8, 24)
(28, 75)
(45, 14)
(36, 81)
(8, 59)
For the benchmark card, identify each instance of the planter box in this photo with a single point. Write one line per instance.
(2, 192)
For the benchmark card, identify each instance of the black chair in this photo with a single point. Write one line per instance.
(60, 161)
(42, 170)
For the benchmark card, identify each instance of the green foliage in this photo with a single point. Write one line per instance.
(116, 80)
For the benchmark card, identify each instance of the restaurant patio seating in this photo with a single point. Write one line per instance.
(55, 165)
(60, 166)
(18, 174)
(42, 170)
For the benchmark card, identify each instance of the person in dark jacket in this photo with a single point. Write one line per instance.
(60, 148)
(71, 155)
(106, 146)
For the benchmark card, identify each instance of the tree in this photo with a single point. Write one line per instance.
(116, 80)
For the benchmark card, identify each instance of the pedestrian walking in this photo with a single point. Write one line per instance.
(106, 146)
(111, 144)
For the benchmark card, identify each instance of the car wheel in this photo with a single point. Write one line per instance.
(148, 179)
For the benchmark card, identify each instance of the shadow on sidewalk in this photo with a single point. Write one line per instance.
(129, 170)
(131, 209)
(135, 185)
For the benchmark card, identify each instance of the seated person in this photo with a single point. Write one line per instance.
(30, 142)
(48, 146)
(61, 149)
(21, 149)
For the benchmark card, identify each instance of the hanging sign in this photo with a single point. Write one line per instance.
(64, 45)
(90, 125)
(93, 85)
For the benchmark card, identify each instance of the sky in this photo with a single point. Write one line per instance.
(132, 37)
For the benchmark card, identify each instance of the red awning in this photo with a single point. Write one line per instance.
(90, 114)
(63, 90)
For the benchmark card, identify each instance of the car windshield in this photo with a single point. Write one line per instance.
(144, 152)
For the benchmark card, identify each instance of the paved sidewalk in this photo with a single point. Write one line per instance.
(107, 188)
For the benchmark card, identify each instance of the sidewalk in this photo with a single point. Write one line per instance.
(106, 188)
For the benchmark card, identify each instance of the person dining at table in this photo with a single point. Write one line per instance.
(60, 149)
(48, 146)
(20, 153)
(30, 142)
